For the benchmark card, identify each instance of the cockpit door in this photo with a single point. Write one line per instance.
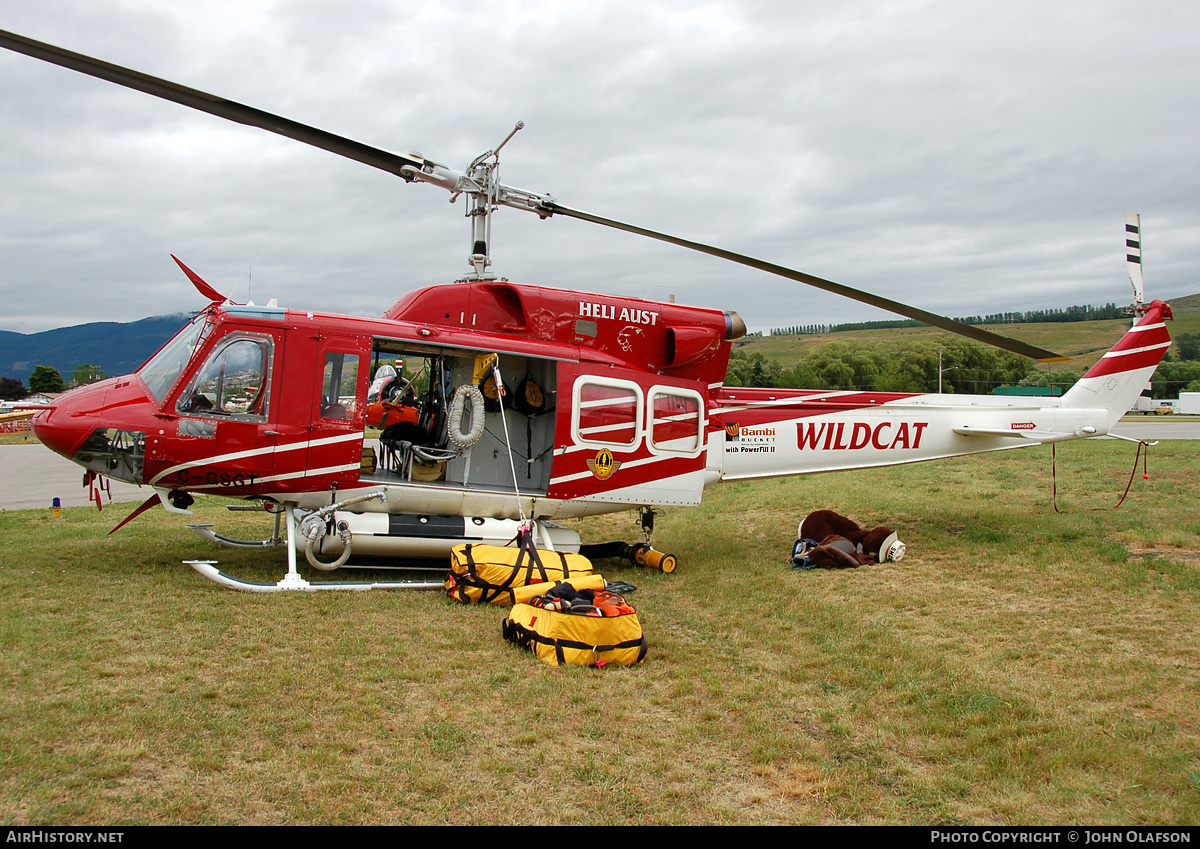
(222, 417)
(337, 412)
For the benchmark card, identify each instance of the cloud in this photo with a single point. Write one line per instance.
(966, 158)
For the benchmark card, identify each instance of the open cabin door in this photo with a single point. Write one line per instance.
(629, 437)
(411, 405)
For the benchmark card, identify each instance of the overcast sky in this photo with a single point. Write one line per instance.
(965, 157)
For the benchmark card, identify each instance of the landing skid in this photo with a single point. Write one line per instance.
(294, 583)
(291, 582)
(208, 533)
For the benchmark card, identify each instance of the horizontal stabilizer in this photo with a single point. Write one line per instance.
(1032, 435)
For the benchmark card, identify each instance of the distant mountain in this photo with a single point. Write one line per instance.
(117, 347)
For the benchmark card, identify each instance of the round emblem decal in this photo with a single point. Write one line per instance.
(603, 465)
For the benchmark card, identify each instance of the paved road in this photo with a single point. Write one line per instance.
(1160, 428)
(32, 475)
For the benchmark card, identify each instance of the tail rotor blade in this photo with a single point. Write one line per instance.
(1133, 254)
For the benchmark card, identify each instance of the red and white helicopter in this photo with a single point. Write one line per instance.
(610, 403)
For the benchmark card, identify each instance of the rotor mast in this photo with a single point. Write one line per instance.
(484, 172)
(481, 183)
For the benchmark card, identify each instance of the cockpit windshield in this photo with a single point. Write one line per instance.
(162, 370)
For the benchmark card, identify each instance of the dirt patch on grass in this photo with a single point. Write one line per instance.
(1165, 552)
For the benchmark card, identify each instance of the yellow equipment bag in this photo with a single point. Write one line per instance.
(594, 581)
(490, 574)
(571, 638)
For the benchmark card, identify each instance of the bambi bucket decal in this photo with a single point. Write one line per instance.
(603, 465)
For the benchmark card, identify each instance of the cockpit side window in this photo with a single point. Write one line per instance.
(234, 381)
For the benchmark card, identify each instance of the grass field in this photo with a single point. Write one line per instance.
(18, 438)
(1019, 666)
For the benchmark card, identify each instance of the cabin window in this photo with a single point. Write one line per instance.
(676, 423)
(339, 385)
(234, 381)
(608, 413)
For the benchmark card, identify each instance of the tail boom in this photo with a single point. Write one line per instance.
(766, 433)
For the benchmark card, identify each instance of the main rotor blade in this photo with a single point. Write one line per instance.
(1014, 345)
(228, 109)
(413, 167)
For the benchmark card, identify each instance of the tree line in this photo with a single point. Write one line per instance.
(966, 367)
(49, 379)
(1080, 312)
(900, 366)
(1180, 370)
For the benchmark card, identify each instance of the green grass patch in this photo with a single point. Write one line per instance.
(1019, 666)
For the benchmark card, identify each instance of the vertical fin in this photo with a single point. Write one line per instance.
(1115, 382)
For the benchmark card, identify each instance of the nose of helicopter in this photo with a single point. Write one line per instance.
(101, 427)
(64, 427)
(60, 427)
